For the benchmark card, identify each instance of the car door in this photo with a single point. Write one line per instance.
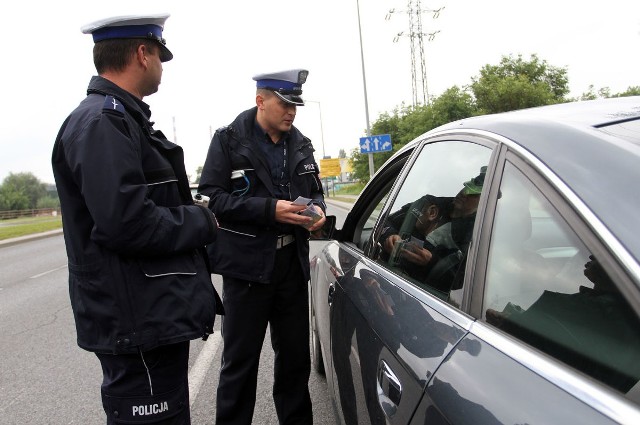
(557, 331)
(391, 324)
(334, 263)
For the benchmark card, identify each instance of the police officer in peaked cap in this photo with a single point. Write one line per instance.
(140, 283)
(256, 169)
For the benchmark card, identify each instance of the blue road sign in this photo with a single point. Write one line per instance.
(377, 143)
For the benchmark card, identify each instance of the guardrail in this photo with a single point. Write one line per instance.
(41, 212)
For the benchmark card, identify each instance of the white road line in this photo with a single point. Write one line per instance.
(47, 272)
(199, 369)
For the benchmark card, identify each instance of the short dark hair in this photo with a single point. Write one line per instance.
(115, 54)
(266, 93)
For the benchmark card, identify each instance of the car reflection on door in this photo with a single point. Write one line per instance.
(382, 361)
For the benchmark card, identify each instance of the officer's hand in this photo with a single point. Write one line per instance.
(318, 224)
(287, 212)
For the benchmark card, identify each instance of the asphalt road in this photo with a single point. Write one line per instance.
(45, 378)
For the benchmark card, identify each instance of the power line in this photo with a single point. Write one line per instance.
(416, 36)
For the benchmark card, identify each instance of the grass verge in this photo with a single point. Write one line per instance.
(350, 189)
(18, 227)
(28, 226)
(348, 199)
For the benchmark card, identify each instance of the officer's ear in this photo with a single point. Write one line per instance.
(141, 54)
(260, 101)
(262, 96)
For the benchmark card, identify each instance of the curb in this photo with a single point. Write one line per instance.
(36, 236)
(342, 205)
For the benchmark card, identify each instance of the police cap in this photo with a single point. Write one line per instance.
(131, 26)
(287, 85)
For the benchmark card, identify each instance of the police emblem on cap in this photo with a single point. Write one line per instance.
(287, 85)
(131, 26)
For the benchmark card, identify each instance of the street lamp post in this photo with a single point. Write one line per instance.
(321, 130)
(324, 155)
(364, 83)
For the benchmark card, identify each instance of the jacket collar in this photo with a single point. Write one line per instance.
(244, 124)
(101, 85)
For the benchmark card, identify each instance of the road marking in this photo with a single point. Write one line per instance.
(47, 272)
(199, 369)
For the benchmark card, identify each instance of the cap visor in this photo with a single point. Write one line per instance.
(165, 54)
(289, 98)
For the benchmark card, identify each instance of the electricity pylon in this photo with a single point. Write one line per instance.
(416, 36)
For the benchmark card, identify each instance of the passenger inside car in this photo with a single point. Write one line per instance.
(406, 234)
(427, 239)
(459, 229)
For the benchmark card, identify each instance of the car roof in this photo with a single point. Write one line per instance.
(592, 146)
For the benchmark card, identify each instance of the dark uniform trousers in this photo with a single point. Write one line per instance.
(147, 388)
(249, 307)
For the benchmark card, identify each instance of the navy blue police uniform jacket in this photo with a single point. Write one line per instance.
(245, 206)
(138, 272)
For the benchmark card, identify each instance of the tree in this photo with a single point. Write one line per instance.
(605, 92)
(513, 84)
(591, 93)
(517, 84)
(198, 174)
(342, 153)
(386, 124)
(452, 105)
(630, 91)
(21, 191)
(407, 123)
(48, 202)
(11, 199)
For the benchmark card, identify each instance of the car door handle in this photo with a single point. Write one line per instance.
(332, 290)
(389, 389)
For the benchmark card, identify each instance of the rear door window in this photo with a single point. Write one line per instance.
(546, 287)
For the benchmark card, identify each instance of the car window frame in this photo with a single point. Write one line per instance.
(580, 385)
(364, 206)
(416, 151)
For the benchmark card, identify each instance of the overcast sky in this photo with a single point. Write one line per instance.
(218, 46)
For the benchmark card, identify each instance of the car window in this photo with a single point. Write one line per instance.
(369, 220)
(371, 201)
(427, 232)
(545, 287)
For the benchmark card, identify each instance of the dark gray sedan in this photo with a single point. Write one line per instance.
(490, 274)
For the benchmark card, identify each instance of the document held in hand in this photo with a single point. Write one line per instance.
(310, 211)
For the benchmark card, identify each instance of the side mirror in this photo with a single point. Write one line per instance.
(327, 230)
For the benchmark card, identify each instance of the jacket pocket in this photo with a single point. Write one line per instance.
(162, 187)
(182, 264)
(84, 271)
(160, 176)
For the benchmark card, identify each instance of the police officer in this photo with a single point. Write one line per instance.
(254, 169)
(139, 279)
